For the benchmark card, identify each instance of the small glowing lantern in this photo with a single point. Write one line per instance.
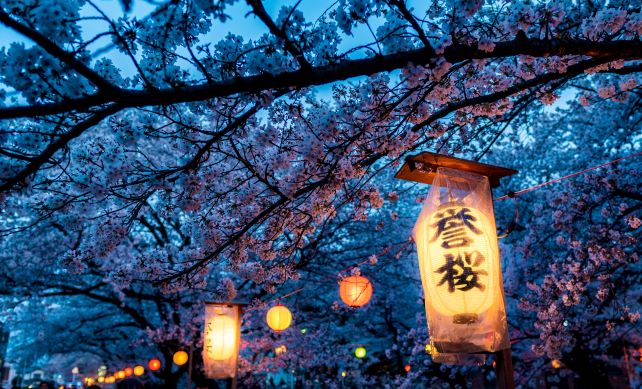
(355, 291)
(221, 340)
(278, 318)
(139, 370)
(101, 379)
(407, 368)
(280, 349)
(154, 364)
(360, 352)
(180, 358)
(344, 373)
(556, 363)
(120, 374)
(459, 256)
(110, 380)
(128, 371)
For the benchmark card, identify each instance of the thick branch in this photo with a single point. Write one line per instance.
(319, 75)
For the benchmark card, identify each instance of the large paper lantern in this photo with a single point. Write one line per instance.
(154, 364)
(221, 340)
(459, 264)
(355, 291)
(180, 358)
(278, 318)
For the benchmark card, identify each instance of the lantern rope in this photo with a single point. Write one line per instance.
(513, 222)
(515, 194)
(334, 275)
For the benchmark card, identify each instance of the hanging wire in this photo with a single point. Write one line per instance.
(515, 194)
(509, 229)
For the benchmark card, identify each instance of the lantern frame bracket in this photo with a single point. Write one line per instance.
(423, 167)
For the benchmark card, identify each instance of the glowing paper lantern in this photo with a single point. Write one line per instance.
(139, 370)
(128, 371)
(180, 358)
(278, 318)
(407, 368)
(154, 364)
(120, 374)
(221, 340)
(360, 352)
(101, 379)
(355, 291)
(280, 349)
(110, 380)
(556, 363)
(459, 264)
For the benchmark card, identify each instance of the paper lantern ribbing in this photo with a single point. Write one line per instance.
(355, 291)
(139, 370)
(278, 318)
(154, 364)
(180, 358)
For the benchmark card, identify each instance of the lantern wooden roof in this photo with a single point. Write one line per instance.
(423, 168)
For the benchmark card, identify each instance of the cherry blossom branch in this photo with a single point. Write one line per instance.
(50, 47)
(261, 13)
(36, 163)
(319, 75)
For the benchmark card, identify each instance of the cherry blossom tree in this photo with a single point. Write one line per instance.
(153, 160)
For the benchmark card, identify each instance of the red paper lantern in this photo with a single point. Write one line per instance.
(355, 291)
(154, 364)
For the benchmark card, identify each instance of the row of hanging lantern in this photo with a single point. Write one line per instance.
(458, 261)
(179, 358)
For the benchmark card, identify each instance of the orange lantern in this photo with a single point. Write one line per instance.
(101, 379)
(180, 358)
(154, 364)
(119, 374)
(355, 291)
(278, 318)
(407, 368)
(110, 380)
(128, 371)
(139, 370)
(556, 363)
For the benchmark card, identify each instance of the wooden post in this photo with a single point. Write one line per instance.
(189, 368)
(504, 369)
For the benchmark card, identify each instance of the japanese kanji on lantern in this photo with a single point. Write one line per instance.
(459, 264)
(221, 339)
